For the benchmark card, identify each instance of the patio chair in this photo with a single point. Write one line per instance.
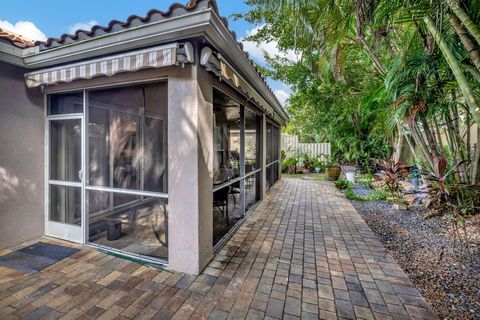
(234, 190)
(161, 227)
(220, 201)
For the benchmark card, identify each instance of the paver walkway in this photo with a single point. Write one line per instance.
(305, 252)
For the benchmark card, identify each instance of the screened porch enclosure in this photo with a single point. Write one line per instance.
(127, 141)
(125, 175)
(108, 173)
(272, 154)
(236, 168)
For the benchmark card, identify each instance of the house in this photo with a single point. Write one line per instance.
(151, 138)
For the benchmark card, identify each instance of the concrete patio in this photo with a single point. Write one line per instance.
(303, 253)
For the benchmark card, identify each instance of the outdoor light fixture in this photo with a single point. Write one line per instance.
(209, 61)
(189, 51)
(185, 54)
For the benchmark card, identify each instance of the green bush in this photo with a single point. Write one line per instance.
(376, 195)
(343, 184)
(366, 180)
(308, 162)
(352, 196)
(289, 165)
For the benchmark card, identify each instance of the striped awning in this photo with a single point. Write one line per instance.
(155, 57)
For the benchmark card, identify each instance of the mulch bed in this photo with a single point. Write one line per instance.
(447, 278)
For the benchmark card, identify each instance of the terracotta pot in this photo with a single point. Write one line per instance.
(333, 173)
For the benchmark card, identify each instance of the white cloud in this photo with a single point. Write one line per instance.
(282, 96)
(257, 50)
(87, 25)
(26, 29)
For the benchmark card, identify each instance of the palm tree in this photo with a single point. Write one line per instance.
(456, 69)
(473, 28)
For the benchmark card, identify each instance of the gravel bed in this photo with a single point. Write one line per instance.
(424, 248)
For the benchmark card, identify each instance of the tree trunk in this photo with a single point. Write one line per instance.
(467, 41)
(376, 61)
(472, 28)
(437, 132)
(457, 71)
(430, 138)
(476, 162)
(428, 43)
(456, 127)
(398, 144)
(468, 142)
(412, 149)
(474, 72)
(335, 61)
(421, 145)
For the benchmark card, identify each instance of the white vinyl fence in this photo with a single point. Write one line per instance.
(293, 148)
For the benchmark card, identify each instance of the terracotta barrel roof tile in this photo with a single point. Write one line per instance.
(15, 39)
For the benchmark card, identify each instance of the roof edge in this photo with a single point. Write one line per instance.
(96, 30)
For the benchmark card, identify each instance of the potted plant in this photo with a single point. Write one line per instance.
(332, 169)
(319, 166)
(350, 175)
(349, 166)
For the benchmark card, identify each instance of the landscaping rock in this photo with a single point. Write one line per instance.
(447, 277)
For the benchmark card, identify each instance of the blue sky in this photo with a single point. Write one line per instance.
(34, 18)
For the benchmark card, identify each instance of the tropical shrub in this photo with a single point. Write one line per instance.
(390, 174)
(308, 162)
(442, 185)
(289, 165)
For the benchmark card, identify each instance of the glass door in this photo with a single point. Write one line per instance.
(65, 177)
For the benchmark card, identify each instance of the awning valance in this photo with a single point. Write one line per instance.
(156, 57)
(220, 67)
(229, 73)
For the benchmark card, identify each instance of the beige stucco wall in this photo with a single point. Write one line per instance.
(190, 165)
(21, 158)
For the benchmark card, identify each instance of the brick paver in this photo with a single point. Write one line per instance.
(303, 253)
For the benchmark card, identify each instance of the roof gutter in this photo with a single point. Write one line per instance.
(11, 54)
